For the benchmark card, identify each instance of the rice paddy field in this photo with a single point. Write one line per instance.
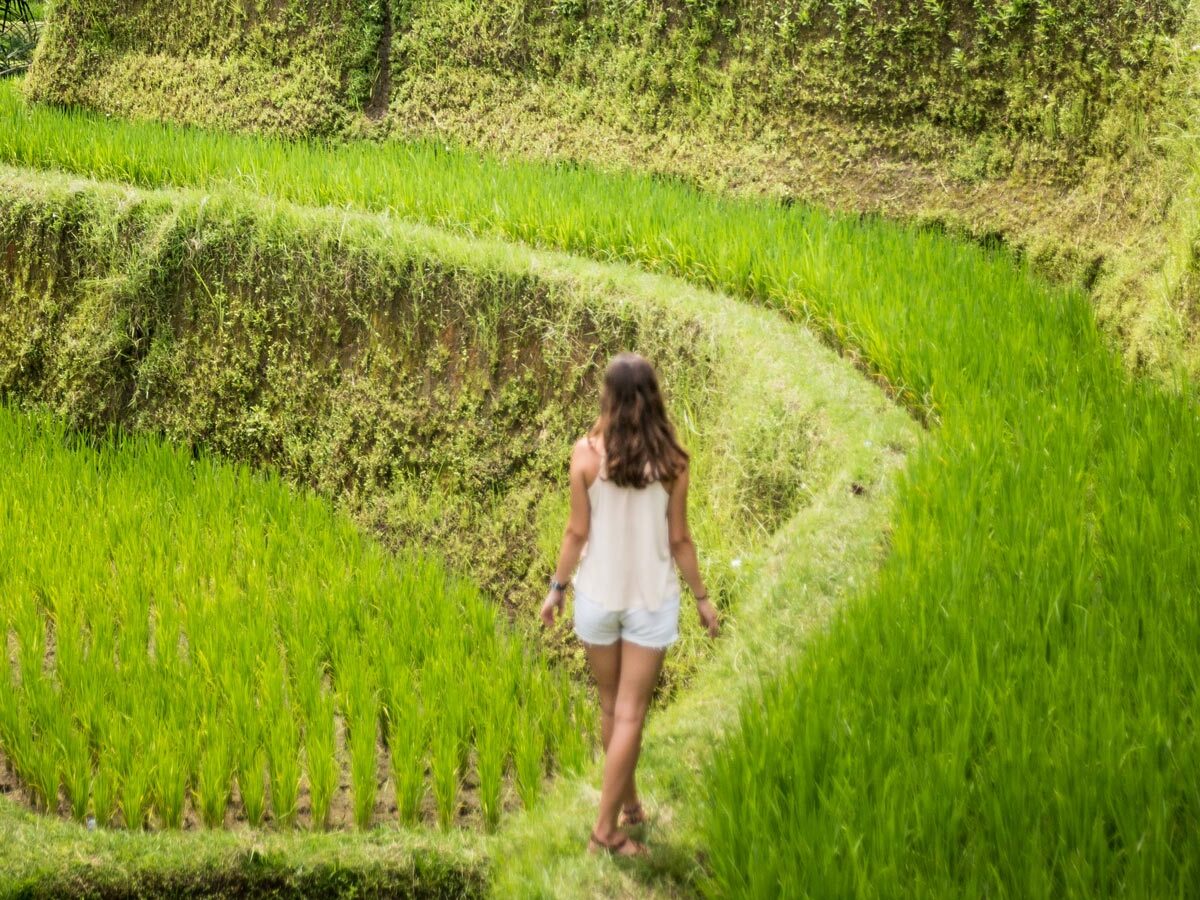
(180, 628)
(962, 654)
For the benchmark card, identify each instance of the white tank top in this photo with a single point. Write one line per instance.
(627, 560)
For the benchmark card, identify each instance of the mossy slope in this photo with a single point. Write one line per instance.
(288, 67)
(1063, 129)
(1052, 71)
(45, 858)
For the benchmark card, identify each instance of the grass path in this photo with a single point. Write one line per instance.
(829, 550)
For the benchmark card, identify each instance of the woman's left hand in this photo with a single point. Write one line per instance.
(555, 601)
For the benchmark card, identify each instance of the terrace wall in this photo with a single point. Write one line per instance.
(1052, 71)
(1060, 128)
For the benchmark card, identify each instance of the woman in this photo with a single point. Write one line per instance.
(629, 481)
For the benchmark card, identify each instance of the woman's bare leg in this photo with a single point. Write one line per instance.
(639, 671)
(605, 664)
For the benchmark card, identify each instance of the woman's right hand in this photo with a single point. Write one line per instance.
(708, 617)
(553, 606)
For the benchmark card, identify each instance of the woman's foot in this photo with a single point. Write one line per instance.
(619, 844)
(632, 815)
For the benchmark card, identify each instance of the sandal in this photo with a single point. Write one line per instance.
(615, 849)
(633, 815)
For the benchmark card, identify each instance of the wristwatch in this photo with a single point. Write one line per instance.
(557, 585)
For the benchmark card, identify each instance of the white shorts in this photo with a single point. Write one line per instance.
(657, 630)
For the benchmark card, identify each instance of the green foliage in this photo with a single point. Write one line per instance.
(407, 743)
(50, 858)
(104, 797)
(491, 746)
(528, 753)
(252, 783)
(170, 777)
(322, 767)
(214, 775)
(1043, 70)
(17, 46)
(444, 769)
(284, 67)
(360, 709)
(1035, 608)
(135, 787)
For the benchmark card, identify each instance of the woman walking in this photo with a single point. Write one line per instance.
(628, 521)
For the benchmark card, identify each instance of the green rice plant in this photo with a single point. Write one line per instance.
(571, 731)
(214, 777)
(320, 750)
(135, 793)
(183, 697)
(361, 708)
(252, 783)
(529, 756)
(76, 773)
(43, 768)
(10, 706)
(364, 768)
(491, 751)
(307, 670)
(283, 761)
(104, 796)
(31, 647)
(407, 744)
(170, 781)
(446, 768)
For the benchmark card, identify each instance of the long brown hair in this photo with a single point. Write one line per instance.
(639, 440)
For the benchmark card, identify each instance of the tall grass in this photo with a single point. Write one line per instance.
(1011, 709)
(191, 610)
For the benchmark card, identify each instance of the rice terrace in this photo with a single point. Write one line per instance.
(307, 308)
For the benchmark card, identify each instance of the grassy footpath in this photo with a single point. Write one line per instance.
(1035, 615)
(826, 551)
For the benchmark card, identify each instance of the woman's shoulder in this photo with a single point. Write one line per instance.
(586, 455)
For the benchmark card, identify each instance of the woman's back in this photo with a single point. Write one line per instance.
(627, 562)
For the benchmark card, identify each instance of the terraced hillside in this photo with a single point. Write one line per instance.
(975, 677)
(152, 311)
(1065, 129)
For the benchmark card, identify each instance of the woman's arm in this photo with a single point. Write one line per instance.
(575, 535)
(683, 551)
